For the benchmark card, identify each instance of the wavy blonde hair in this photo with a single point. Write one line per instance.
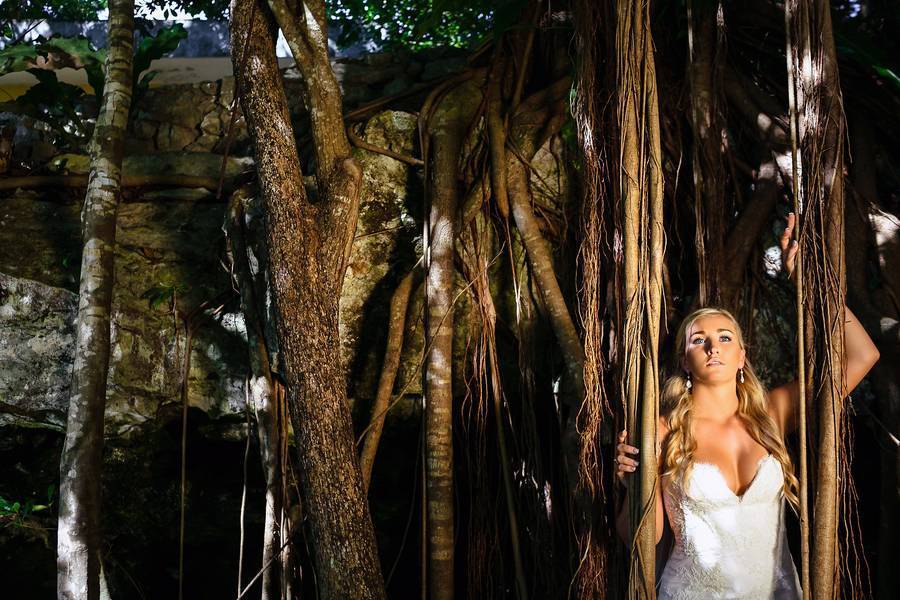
(678, 454)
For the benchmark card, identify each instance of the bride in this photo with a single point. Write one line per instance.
(724, 469)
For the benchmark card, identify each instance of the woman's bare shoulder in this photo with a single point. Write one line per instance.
(782, 402)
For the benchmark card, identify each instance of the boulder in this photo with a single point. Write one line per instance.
(37, 346)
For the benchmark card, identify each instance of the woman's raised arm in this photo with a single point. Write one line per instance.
(860, 352)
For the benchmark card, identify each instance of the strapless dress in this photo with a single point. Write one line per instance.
(728, 546)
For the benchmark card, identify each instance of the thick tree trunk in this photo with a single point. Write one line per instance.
(821, 136)
(78, 546)
(448, 127)
(756, 215)
(744, 236)
(308, 248)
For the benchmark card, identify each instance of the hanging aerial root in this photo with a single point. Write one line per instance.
(640, 196)
(393, 350)
(591, 578)
(820, 139)
(854, 565)
(486, 385)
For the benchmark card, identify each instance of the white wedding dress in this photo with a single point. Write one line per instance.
(728, 546)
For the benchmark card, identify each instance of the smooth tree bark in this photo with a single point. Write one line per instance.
(262, 397)
(392, 352)
(640, 195)
(309, 245)
(538, 118)
(78, 544)
(448, 127)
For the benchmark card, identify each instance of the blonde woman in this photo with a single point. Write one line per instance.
(725, 473)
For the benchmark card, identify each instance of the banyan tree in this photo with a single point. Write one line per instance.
(546, 202)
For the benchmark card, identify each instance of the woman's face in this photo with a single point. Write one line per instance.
(712, 351)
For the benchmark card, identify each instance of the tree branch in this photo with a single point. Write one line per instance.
(771, 129)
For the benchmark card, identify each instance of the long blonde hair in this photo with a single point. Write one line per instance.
(678, 454)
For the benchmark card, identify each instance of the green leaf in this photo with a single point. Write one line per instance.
(429, 21)
(863, 49)
(18, 57)
(79, 49)
(49, 98)
(96, 79)
(165, 41)
(163, 293)
(887, 74)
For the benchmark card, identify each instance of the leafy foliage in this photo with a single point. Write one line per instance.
(150, 48)
(57, 52)
(39, 10)
(15, 513)
(56, 103)
(83, 55)
(214, 10)
(53, 102)
(17, 57)
(412, 24)
(164, 292)
(50, 100)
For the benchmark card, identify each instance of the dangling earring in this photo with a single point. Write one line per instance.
(688, 383)
(741, 374)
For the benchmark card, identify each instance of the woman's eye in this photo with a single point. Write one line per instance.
(696, 340)
(725, 338)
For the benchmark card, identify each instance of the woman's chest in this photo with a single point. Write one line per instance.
(732, 451)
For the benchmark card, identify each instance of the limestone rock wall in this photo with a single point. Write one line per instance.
(160, 246)
(36, 350)
(170, 259)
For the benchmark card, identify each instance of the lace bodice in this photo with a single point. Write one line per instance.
(728, 546)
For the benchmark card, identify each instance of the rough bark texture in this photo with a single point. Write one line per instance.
(591, 114)
(448, 126)
(821, 135)
(308, 246)
(78, 546)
